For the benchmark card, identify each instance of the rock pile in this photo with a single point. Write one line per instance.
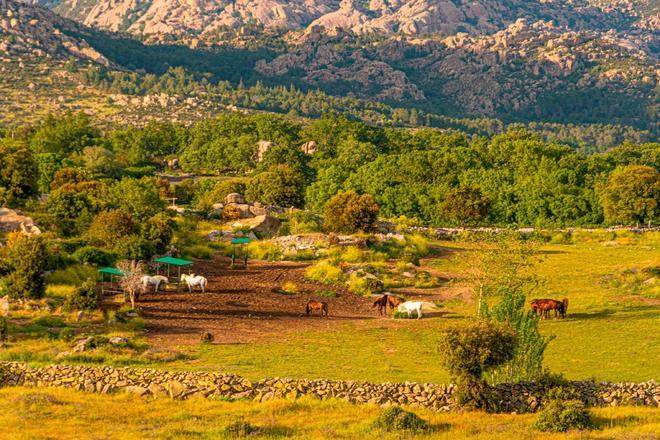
(519, 398)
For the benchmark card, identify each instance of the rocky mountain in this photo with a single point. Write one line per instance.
(158, 18)
(33, 32)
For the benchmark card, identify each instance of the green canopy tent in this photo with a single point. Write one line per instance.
(172, 262)
(110, 286)
(239, 244)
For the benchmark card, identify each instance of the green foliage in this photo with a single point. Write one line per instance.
(17, 172)
(134, 247)
(469, 351)
(465, 205)
(325, 272)
(364, 284)
(289, 288)
(348, 212)
(218, 192)
(138, 197)
(158, 230)
(66, 134)
(85, 297)
(562, 415)
(264, 250)
(47, 165)
(94, 256)
(73, 275)
(26, 256)
(631, 195)
(109, 227)
(280, 185)
(395, 419)
(241, 429)
(325, 293)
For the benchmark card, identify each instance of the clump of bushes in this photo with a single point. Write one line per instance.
(404, 315)
(395, 418)
(325, 272)
(264, 250)
(84, 297)
(348, 212)
(364, 284)
(560, 414)
(94, 256)
(289, 288)
(472, 349)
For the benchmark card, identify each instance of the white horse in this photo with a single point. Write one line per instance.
(155, 280)
(193, 280)
(415, 306)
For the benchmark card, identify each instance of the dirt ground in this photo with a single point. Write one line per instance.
(244, 305)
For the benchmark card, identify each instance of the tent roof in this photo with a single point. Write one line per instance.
(174, 261)
(242, 240)
(112, 271)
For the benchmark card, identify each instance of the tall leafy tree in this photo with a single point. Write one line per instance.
(632, 195)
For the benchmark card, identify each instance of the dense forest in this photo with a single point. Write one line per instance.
(435, 176)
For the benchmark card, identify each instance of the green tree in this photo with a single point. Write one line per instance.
(472, 349)
(158, 230)
(108, 227)
(465, 205)
(632, 195)
(47, 165)
(18, 172)
(348, 212)
(138, 197)
(27, 258)
(64, 135)
(279, 185)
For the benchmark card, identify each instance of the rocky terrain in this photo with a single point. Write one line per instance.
(156, 18)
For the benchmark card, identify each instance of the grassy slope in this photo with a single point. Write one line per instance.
(36, 412)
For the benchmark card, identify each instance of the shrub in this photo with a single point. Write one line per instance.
(324, 272)
(134, 247)
(364, 284)
(108, 227)
(198, 251)
(289, 288)
(470, 350)
(84, 297)
(326, 293)
(241, 429)
(280, 185)
(395, 418)
(158, 230)
(95, 256)
(71, 276)
(264, 250)
(27, 258)
(561, 415)
(206, 337)
(3, 332)
(404, 315)
(303, 222)
(348, 212)
(66, 334)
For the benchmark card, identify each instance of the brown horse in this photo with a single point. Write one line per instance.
(542, 307)
(393, 302)
(317, 305)
(381, 303)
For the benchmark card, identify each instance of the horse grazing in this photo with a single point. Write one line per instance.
(542, 307)
(155, 281)
(316, 305)
(381, 303)
(411, 306)
(193, 280)
(393, 301)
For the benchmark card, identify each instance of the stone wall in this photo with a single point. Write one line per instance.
(519, 398)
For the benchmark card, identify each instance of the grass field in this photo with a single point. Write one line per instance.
(34, 413)
(612, 333)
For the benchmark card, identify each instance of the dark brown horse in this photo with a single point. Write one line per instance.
(385, 301)
(542, 307)
(317, 305)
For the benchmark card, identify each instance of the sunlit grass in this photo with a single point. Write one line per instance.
(59, 413)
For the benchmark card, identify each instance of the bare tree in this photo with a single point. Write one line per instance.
(131, 281)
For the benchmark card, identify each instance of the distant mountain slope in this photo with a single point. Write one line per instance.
(158, 18)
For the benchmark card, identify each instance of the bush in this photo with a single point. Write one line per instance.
(470, 350)
(27, 259)
(200, 252)
(264, 250)
(348, 212)
(561, 415)
(206, 337)
(134, 247)
(404, 315)
(66, 334)
(158, 230)
(394, 419)
(364, 284)
(324, 272)
(84, 297)
(95, 256)
(289, 288)
(108, 227)
(241, 429)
